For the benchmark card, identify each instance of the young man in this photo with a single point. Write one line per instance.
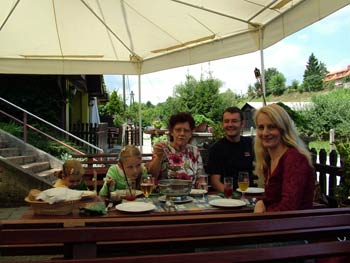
(231, 154)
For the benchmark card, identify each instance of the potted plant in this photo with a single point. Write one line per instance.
(157, 124)
(201, 122)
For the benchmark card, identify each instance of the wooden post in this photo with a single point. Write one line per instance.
(323, 177)
(331, 139)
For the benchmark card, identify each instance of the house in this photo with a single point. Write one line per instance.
(249, 109)
(62, 100)
(338, 76)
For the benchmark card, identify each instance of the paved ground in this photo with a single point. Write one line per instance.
(12, 213)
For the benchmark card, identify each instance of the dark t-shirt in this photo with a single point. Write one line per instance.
(228, 158)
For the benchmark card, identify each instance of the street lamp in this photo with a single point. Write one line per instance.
(258, 78)
(131, 98)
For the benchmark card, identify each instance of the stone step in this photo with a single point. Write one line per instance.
(7, 152)
(49, 175)
(22, 159)
(3, 144)
(37, 166)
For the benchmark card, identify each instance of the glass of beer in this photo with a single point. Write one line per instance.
(243, 183)
(147, 185)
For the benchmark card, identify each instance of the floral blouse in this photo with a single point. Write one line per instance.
(185, 165)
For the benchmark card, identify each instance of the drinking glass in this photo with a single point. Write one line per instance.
(130, 194)
(228, 187)
(147, 185)
(243, 183)
(202, 183)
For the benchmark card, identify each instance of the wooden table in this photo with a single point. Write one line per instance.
(117, 234)
(198, 208)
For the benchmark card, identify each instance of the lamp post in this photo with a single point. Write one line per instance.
(258, 78)
(132, 98)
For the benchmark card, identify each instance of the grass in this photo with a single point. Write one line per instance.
(318, 145)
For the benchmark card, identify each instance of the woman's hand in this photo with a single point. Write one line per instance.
(259, 207)
(158, 149)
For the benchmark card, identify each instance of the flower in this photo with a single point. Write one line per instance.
(175, 160)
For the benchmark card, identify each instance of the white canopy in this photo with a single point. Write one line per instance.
(143, 36)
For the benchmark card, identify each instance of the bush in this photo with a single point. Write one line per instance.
(13, 128)
(330, 111)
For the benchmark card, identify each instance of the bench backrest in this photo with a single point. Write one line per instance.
(92, 241)
(99, 164)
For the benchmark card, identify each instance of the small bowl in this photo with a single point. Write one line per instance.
(175, 187)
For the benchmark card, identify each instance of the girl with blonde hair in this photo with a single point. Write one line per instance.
(283, 160)
(71, 176)
(129, 166)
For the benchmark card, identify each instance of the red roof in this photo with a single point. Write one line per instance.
(337, 75)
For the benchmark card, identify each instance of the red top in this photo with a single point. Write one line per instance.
(291, 185)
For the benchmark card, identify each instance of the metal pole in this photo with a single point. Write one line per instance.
(262, 64)
(124, 99)
(140, 114)
(25, 127)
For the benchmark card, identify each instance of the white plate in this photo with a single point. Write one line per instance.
(227, 203)
(252, 190)
(188, 199)
(198, 191)
(135, 207)
(122, 193)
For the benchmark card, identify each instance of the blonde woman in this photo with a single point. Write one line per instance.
(129, 166)
(283, 160)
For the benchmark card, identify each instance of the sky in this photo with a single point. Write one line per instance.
(328, 39)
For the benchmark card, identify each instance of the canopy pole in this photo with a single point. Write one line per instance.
(124, 98)
(261, 38)
(140, 114)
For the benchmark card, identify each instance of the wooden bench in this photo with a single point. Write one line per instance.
(188, 239)
(99, 164)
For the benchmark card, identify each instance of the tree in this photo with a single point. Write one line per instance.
(228, 99)
(295, 85)
(252, 91)
(269, 74)
(277, 84)
(314, 74)
(330, 111)
(114, 107)
(201, 97)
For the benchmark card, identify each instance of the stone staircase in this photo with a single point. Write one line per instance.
(23, 167)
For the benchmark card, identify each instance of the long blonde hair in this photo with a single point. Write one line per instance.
(129, 151)
(289, 136)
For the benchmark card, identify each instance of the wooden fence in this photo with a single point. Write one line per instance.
(85, 131)
(328, 172)
(92, 133)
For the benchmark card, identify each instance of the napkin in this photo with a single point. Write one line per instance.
(58, 194)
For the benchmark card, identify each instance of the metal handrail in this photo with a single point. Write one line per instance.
(52, 125)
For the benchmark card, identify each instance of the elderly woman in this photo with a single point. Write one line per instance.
(177, 158)
(283, 160)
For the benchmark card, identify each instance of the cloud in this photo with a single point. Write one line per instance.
(336, 23)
